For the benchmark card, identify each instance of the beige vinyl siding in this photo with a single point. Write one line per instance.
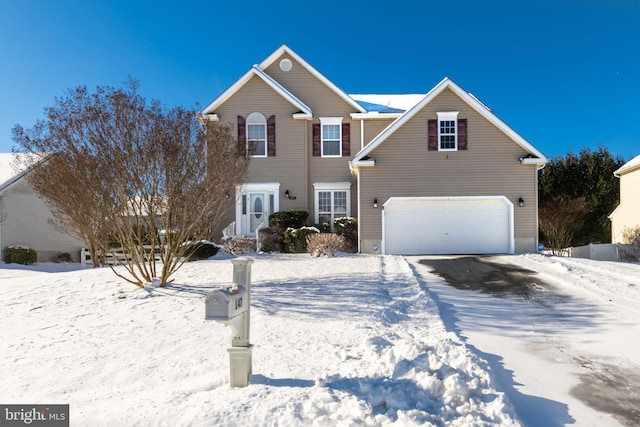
(372, 128)
(333, 169)
(405, 168)
(306, 87)
(25, 222)
(627, 215)
(323, 103)
(294, 167)
(289, 166)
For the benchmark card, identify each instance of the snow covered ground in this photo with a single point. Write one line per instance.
(350, 340)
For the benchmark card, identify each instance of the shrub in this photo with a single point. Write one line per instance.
(63, 257)
(200, 250)
(326, 244)
(631, 252)
(288, 219)
(271, 239)
(295, 239)
(240, 245)
(20, 255)
(348, 228)
(323, 228)
(631, 235)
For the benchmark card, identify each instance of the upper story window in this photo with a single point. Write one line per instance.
(448, 131)
(331, 136)
(257, 135)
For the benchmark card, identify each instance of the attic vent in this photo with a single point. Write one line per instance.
(286, 64)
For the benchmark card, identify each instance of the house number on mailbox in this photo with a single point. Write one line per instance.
(238, 303)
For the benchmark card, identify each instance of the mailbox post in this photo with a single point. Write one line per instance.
(232, 306)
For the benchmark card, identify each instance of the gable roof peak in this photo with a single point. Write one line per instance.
(284, 49)
(471, 100)
(255, 70)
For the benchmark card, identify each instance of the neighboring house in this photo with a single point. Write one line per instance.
(627, 214)
(24, 218)
(424, 174)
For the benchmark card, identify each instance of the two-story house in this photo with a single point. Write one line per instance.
(434, 173)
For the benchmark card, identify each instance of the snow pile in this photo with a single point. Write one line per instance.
(349, 340)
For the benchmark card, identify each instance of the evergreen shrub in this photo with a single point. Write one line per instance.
(20, 255)
(201, 250)
(294, 218)
(348, 228)
(295, 239)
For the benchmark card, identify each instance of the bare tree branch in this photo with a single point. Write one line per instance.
(117, 169)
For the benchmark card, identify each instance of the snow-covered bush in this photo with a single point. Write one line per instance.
(200, 250)
(295, 239)
(240, 245)
(20, 255)
(347, 226)
(294, 218)
(326, 244)
(271, 239)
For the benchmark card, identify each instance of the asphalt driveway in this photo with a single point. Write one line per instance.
(525, 327)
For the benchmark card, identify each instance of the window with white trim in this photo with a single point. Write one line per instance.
(257, 135)
(331, 134)
(332, 201)
(448, 131)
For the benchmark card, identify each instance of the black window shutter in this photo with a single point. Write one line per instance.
(316, 139)
(433, 135)
(242, 136)
(346, 139)
(462, 134)
(271, 136)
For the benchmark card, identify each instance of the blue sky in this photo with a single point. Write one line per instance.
(563, 74)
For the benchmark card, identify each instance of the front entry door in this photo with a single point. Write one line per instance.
(257, 212)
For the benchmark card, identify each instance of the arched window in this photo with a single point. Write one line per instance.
(257, 135)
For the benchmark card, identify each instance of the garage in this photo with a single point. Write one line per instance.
(448, 225)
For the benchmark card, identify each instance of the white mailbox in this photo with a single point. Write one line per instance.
(226, 303)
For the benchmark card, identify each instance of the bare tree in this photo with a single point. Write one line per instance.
(559, 219)
(631, 238)
(150, 179)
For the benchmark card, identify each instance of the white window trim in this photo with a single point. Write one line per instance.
(448, 116)
(263, 122)
(330, 121)
(333, 187)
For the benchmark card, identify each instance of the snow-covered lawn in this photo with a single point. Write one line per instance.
(349, 340)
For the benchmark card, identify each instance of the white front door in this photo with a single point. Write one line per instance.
(255, 202)
(257, 211)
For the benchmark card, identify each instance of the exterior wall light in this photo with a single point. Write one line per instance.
(375, 203)
(287, 195)
(521, 202)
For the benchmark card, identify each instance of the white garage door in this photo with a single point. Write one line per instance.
(448, 225)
